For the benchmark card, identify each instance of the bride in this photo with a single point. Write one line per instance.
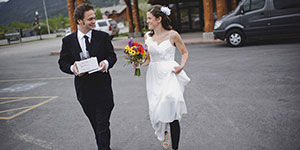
(165, 78)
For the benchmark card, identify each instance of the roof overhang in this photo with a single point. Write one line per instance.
(153, 2)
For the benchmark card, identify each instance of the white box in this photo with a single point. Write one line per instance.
(88, 65)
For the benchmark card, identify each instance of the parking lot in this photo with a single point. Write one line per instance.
(238, 98)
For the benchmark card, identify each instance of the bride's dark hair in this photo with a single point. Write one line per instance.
(165, 20)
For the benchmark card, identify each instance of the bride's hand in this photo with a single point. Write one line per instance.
(177, 69)
(134, 65)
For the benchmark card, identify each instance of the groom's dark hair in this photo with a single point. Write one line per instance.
(79, 11)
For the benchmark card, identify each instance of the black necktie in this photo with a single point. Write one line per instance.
(87, 43)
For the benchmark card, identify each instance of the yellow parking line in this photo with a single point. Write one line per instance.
(35, 79)
(5, 98)
(34, 106)
(4, 111)
(10, 98)
(15, 100)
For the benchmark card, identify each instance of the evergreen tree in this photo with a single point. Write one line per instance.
(98, 14)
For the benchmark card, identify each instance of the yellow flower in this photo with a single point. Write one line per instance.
(132, 52)
(127, 48)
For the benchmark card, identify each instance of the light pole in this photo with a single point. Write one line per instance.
(38, 23)
(46, 17)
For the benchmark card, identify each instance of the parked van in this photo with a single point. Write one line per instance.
(107, 25)
(259, 19)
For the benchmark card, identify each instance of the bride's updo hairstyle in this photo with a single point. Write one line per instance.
(163, 12)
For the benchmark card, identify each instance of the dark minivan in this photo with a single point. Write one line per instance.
(259, 19)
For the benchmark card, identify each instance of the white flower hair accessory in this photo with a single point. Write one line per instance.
(165, 10)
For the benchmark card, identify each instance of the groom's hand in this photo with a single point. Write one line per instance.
(102, 66)
(76, 70)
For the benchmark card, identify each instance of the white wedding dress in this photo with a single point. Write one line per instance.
(164, 88)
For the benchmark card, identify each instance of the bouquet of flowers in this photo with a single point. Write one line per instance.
(135, 53)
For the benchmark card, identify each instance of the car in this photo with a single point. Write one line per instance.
(107, 25)
(121, 25)
(67, 31)
(13, 34)
(259, 19)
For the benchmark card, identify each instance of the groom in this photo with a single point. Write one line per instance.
(93, 90)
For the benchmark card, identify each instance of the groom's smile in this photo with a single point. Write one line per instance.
(89, 20)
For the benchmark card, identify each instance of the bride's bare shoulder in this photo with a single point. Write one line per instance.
(174, 36)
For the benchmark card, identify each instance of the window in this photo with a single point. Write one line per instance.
(250, 5)
(257, 4)
(102, 23)
(112, 22)
(286, 4)
(247, 6)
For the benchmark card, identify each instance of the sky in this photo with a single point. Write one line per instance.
(3, 0)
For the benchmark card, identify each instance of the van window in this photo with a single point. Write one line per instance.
(112, 22)
(286, 4)
(250, 5)
(102, 23)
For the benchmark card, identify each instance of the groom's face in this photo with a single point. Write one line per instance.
(88, 21)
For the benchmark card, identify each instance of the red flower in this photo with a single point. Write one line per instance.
(135, 44)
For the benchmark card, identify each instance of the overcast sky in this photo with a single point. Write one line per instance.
(3, 0)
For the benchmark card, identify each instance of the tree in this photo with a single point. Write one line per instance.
(208, 16)
(71, 7)
(129, 15)
(18, 24)
(87, 1)
(136, 16)
(98, 14)
(221, 8)
(58, 22)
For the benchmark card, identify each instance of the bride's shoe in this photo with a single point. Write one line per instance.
(166, 142)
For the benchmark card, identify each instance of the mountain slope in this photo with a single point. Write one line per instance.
(24, 11)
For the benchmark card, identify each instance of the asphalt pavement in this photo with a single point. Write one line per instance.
(245, 98)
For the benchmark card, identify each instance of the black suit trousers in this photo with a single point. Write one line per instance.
(98, 115)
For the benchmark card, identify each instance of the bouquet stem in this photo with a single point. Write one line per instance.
(137, 71)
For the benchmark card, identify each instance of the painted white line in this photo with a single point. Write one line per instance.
(36, 79)
(36, 141)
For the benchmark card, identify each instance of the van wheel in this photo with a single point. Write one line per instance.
(235, 38)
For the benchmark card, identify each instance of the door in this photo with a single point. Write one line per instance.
(255, 18)
(190, 18)
(185, 19)
(285, 17)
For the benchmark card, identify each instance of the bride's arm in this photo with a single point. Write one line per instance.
(147, 60)
(148, 55)
(175, 37)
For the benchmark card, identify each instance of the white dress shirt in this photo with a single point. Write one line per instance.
(81, 41)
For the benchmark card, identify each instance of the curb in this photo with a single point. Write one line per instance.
(54, 53)
(202, 42)
(117, 48)
(186, 43)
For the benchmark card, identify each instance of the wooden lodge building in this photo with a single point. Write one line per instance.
(186, 15)
(196, 15)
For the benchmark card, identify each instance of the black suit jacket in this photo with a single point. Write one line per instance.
(96, 87)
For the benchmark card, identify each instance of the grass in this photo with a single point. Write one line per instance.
(126, 34)
(123, 34)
